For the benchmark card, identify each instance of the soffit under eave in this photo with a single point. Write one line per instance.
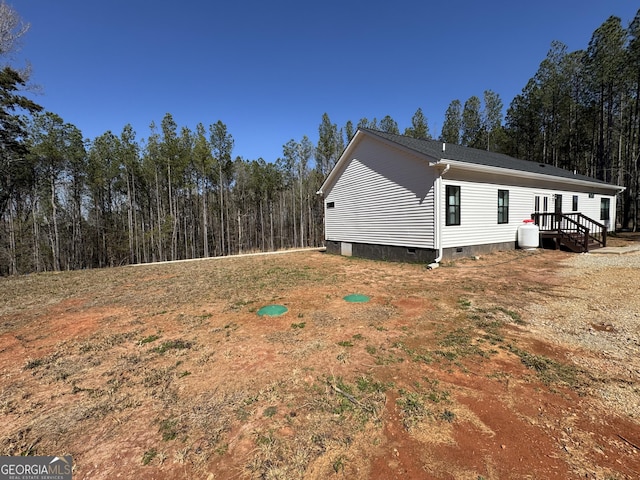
(543, 178)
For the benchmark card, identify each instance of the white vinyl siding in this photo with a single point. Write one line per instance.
(478, 217)
(478, 222)
(383, 196)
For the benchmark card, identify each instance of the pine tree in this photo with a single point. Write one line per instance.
(605, 61)
(471, 123)
(221, 143)
(452, 125)
(491, 116)
(349, 131)
(419, 128)
(389, 125)
(203, 167)
(15, 171)
(327, 150)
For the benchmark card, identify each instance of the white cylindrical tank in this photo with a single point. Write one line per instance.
(528, 235)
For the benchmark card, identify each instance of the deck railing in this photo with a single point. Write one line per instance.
(575, 230)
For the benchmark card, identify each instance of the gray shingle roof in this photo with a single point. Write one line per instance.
(433, 148)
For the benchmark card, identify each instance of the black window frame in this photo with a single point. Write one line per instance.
(574, 203)
(503, 206)
(452, 210)
(605, 213)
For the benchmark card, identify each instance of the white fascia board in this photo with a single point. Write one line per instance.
(474, 167)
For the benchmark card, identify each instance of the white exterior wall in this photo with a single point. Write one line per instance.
(383, 196)
(479, 209)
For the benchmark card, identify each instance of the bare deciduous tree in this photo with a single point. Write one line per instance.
(12, 28)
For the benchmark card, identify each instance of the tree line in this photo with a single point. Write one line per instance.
(581, 111)
(178, 194)
(68, 203)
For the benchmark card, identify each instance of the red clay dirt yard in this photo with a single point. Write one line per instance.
(516, 365)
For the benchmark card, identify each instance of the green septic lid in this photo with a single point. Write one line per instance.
(272, 310)
(356, 298)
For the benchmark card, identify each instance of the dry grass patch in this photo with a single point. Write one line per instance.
(171, 366)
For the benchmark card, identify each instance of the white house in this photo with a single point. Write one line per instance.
(399, 198)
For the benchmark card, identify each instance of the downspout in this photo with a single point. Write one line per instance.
(437, 217)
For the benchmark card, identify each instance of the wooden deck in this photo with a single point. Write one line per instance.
(573, 231)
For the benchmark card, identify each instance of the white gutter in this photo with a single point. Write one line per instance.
(437, 217)
(548, 177)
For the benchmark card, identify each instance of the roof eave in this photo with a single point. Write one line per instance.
(474, 167)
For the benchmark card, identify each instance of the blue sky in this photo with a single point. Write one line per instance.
(269, 70)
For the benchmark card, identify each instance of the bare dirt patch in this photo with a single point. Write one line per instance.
(516, 365)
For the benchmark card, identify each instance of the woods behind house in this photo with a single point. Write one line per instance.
(67, 202)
